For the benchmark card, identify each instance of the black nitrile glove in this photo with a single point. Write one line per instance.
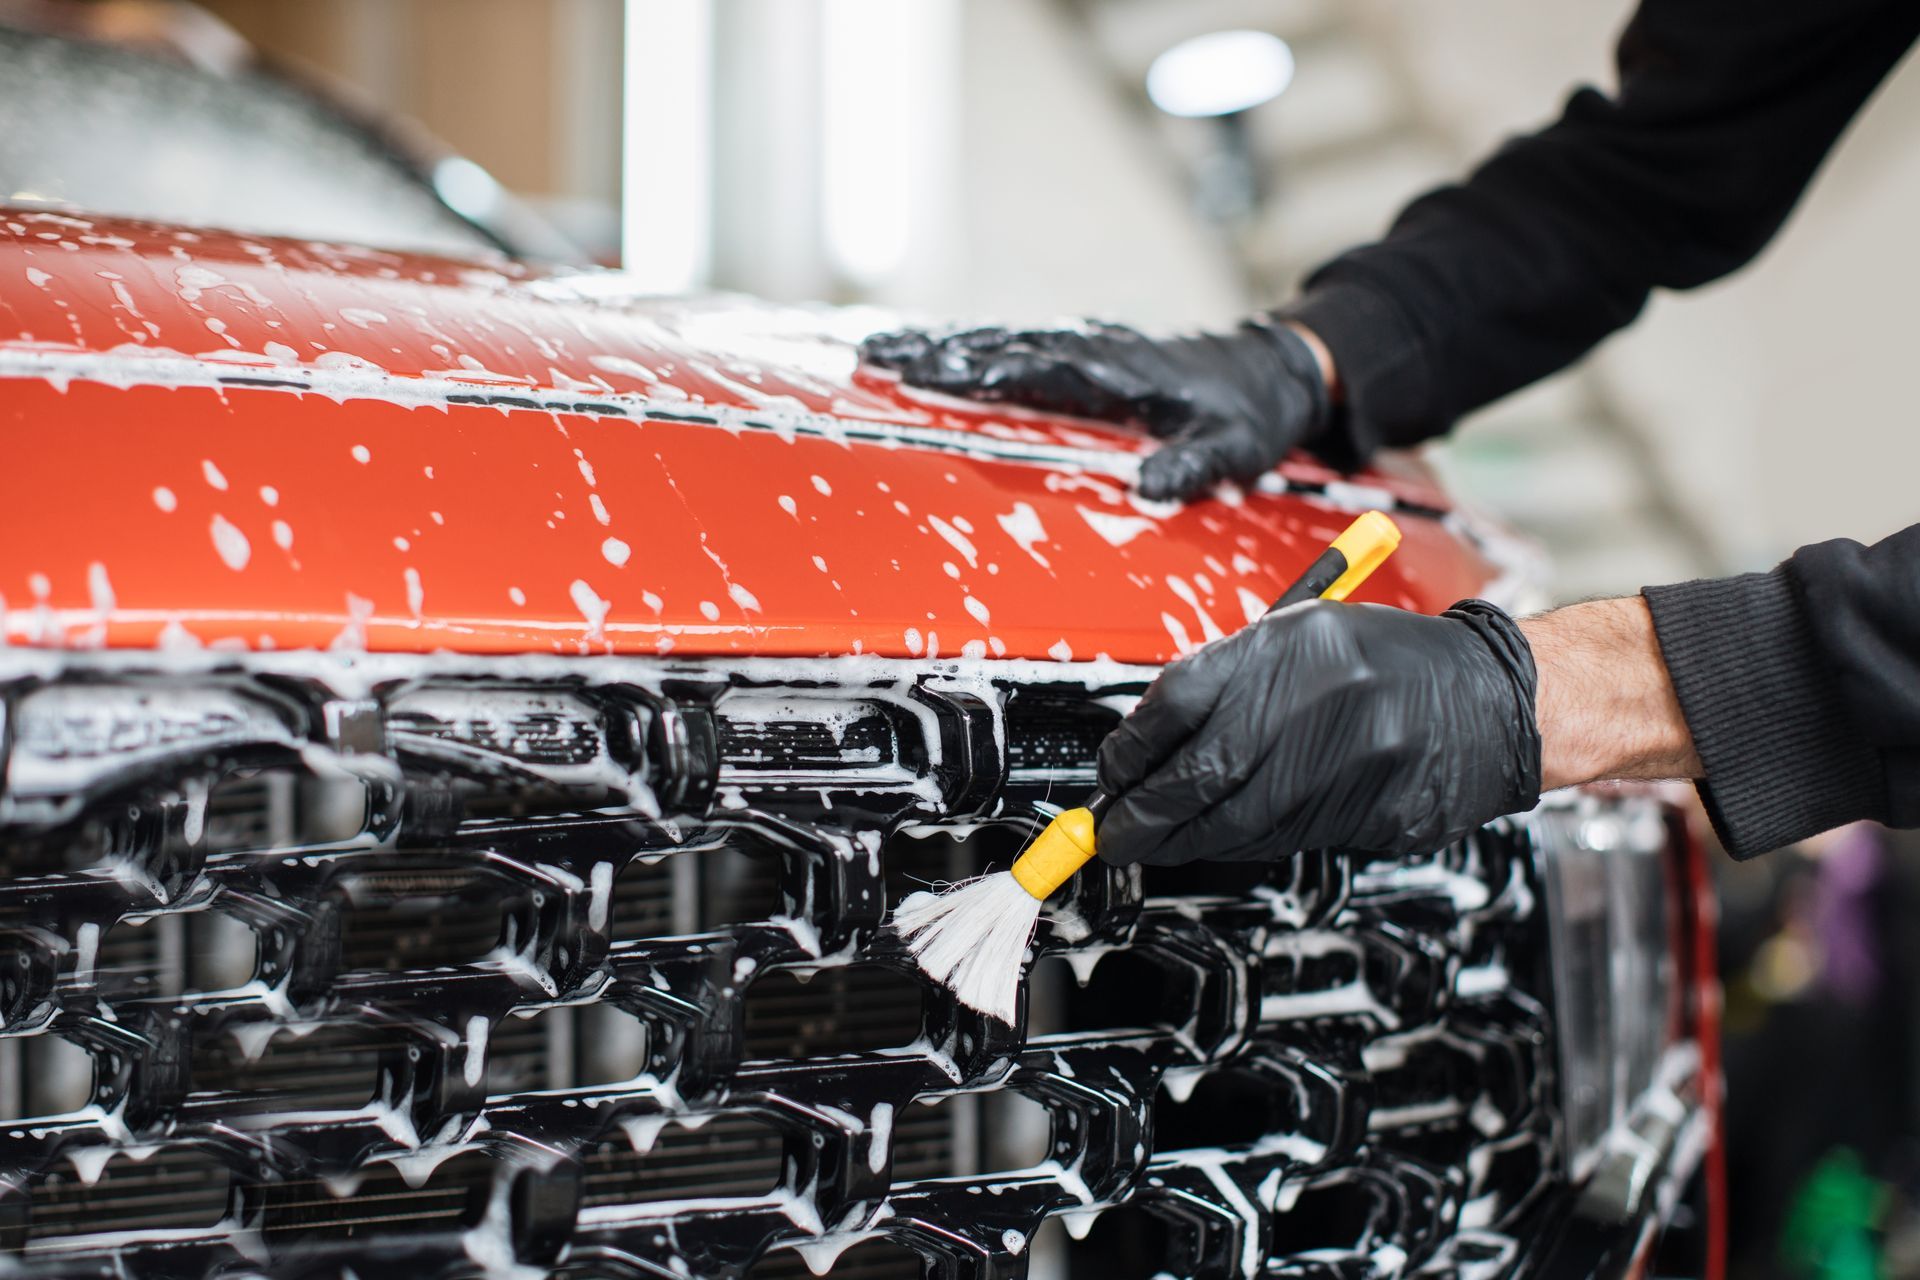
(1347, 726)
(1229, 406)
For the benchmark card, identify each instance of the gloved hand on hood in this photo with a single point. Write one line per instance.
(1325, 725)
(1228, 406)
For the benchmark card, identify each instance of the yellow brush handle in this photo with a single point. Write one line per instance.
(1062, 849)
(1068, 842)
(1366, 544)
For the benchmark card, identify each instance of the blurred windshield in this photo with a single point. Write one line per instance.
(115, 131)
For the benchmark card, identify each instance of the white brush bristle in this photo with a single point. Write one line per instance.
(973, 938)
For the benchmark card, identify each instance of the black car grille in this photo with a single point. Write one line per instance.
(318, 965)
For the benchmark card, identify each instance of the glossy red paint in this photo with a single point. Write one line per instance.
(218, 439)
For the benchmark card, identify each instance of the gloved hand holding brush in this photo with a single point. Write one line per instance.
(1228, 406)
(973, 935)
(1327, 725)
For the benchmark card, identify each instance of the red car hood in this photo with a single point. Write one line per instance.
(216, 439)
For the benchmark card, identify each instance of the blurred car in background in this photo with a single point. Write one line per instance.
(464, 726)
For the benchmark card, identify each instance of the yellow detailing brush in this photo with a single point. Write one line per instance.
(974, 936)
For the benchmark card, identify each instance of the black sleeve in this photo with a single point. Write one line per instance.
(1802, 689)
(1725, 109)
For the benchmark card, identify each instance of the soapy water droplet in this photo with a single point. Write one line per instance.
(591, 606)
(230, 543)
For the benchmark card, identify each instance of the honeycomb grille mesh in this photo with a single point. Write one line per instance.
(378, 965)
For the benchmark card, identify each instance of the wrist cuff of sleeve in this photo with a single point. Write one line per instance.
(1299, 367)
(1508, 644)
(1782, 760)
(1379, 359)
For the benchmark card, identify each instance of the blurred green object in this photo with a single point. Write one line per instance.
(1832, 1229)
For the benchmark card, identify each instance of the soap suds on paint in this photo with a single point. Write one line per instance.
(100, 589)
(1209, 629)
(622, 365)
(743, 597)
(362, 454)
(615, 551)
(163, 498)
(213, 474)
(232, 544)
(1115, 530)
(282, 534)
(1022, 524)
(591, 607)
(1182, 642)
(957, 540)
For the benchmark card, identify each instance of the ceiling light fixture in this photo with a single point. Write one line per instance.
(1221, 73)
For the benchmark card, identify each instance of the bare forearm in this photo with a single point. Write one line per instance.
(1605, 704)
